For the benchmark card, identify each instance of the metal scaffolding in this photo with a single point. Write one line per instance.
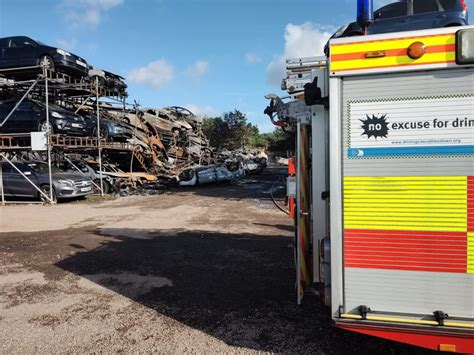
(47, 84)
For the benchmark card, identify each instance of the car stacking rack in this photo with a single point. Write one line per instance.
(49, 86)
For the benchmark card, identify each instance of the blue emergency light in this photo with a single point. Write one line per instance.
(365, 13)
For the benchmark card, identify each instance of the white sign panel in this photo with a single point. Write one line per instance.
(39, 141)
(411, 127)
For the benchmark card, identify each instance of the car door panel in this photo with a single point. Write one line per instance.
(15, 184)
(3, 45)
(10, 59)
(23, 119)
(22, 52)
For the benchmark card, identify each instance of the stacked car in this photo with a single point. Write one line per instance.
(165, 144)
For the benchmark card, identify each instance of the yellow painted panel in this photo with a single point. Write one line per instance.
(405, 178)
(459, 212)
(397, 217)
(395, 222)
(391, 44)
(416, 203)
(470, 253)
(399, 227)
(433, 201)
(390, 205)
(377, 213)
(407, 194)
(392, 61)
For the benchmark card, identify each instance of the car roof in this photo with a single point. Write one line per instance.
(15, 37)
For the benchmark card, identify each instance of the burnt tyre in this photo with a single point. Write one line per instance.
(233, 166)
(187, 175)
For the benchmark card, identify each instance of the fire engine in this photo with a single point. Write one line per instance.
(384, 197)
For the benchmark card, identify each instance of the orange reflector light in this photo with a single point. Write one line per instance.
(375, 54)
(447, 347)
(416, 50)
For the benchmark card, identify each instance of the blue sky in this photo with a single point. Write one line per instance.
(208, 55)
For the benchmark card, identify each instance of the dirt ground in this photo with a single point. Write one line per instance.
(197, 270)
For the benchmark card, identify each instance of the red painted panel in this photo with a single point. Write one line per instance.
(430, 340)
(405, 268)
(406, 250)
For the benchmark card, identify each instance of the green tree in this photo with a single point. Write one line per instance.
(232, 131)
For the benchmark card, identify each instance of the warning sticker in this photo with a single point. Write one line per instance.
(411, 127)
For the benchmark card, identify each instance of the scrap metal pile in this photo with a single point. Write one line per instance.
(166, 140)
(88, 128)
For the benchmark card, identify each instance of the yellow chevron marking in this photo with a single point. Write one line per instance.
(392, 61)
(391, 44)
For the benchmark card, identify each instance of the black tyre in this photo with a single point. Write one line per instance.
(106, 187)
(43, 127)
(46, 190)
(104, 133)
(47, 61)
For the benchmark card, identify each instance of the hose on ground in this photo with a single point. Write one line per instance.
(284, 210)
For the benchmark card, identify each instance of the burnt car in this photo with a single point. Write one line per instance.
(65, 185)
(30, 116)
(216, 173)
(22, 51)
(410, 15)
(111, 81)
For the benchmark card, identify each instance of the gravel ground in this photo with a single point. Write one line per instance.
(195, 270)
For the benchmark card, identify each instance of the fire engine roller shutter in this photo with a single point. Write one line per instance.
(408, 207)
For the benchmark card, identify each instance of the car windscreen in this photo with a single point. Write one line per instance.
(42, 168)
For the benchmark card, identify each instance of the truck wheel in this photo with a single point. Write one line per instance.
(45, 189)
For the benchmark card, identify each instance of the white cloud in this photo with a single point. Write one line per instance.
(306, 40)
(197, 70)
(86, 13)
(154, 75)
(203, 111)
(67, 44)
(252, 58)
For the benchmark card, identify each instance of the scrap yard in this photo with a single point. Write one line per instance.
(287, 183)
(183, 271)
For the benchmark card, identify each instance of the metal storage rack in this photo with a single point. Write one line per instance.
(50, 84)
